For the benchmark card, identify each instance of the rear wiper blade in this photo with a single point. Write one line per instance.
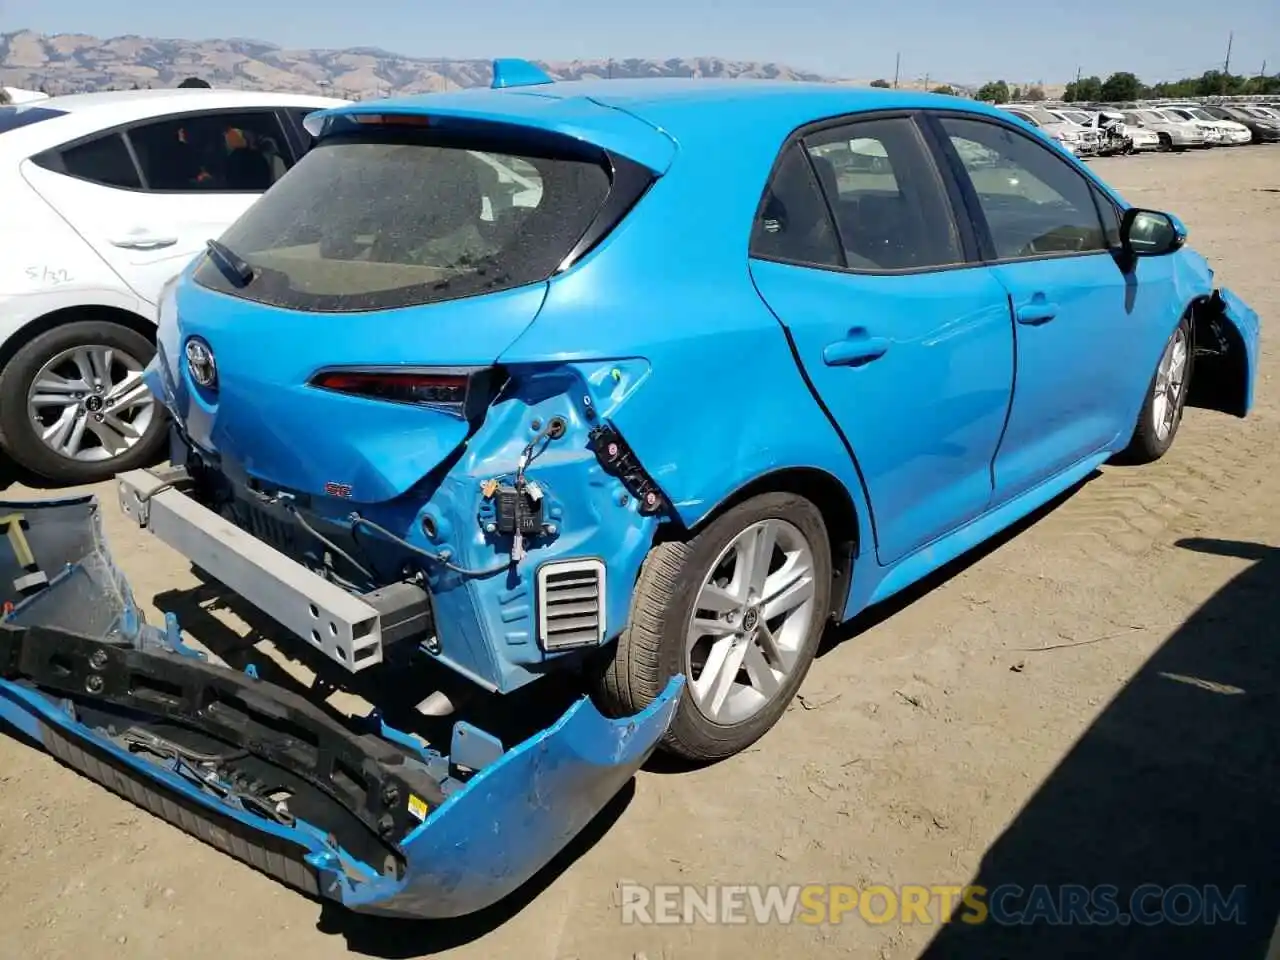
(230, 263)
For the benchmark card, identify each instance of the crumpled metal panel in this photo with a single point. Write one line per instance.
(491, 835)
(514, 816)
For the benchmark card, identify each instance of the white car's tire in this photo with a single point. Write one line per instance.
(73, 409)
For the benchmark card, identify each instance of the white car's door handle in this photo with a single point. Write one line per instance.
(142, 242)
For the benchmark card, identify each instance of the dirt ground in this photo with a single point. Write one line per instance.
(1094, 700)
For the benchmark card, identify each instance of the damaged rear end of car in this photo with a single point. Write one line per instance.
(335, 370)
(352, 456)
(352, 810)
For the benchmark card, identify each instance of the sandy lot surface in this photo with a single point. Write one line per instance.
(1092, 701)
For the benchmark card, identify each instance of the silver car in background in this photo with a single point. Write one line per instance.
(1067, 134)
(1174, 134)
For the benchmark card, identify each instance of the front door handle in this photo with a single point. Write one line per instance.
(1036, 312)
(144, 242)
(854, 352)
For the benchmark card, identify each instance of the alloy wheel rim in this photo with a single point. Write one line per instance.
(750, 621)
(89, 404)
(1171, 376)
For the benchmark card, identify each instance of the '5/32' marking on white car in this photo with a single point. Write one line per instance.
(50, 275)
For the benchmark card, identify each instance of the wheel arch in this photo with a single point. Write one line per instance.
(74, 314)
(834, 501)
(1220, 370)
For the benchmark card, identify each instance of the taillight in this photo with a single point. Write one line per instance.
(460, 391)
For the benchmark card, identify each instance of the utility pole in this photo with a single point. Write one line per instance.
(926, 82)
(1226, 64)
(897, 62)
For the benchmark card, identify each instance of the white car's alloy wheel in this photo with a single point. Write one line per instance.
(89, 403)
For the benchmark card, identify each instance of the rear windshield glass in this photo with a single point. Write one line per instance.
(12, 117)
(373, 224)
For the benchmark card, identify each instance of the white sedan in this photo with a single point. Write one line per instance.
(1231, 133)
(107, 196)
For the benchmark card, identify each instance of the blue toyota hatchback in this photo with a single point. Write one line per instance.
(638, 379)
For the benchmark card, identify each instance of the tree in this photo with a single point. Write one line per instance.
(1120, 86)
(1214, 82)
(1085, 90)
(1262, 84)
(4, 96)
(883, 84)
(945, 89)
(1035, 93)
(997, 92)
(193, 82)
(1017, 94)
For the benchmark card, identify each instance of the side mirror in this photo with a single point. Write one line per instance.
(1150, 233)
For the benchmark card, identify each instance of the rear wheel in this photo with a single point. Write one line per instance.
(1161, 413)
(73, 408)
(739, 610)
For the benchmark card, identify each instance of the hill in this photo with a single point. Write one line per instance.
(74, 63)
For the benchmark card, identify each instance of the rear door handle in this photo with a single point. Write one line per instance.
(144, 242)
(855, 352)
(1036, 312)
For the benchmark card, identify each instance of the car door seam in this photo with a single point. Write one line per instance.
(828, 204)
(1013, 388)
(964, 183)
(931, 136)
(826, 411)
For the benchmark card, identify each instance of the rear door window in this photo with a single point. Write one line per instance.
(105, 160)
(890, 205)
(794, 224)
(215, 152)
(376, 222)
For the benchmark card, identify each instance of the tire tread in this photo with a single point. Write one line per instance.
(638, 666)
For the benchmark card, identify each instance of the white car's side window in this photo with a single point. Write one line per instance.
(219, 152)
(104, 160)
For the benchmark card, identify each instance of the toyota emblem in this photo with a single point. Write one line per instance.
(200, 363)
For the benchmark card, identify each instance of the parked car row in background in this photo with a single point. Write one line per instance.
(1092, 130)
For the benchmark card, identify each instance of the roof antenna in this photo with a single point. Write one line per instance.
(518, 73)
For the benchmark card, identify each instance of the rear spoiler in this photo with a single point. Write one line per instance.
(522, 95)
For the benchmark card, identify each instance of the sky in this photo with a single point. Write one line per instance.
(950, 40)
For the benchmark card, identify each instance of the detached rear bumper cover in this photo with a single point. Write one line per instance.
(488, 836)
